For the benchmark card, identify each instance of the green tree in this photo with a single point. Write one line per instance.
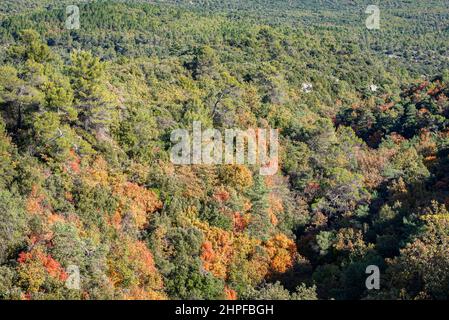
(13, 224)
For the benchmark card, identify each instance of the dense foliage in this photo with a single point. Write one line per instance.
(85, 171)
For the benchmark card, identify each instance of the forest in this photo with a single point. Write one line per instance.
(86, 179)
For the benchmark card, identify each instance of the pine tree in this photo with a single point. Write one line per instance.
(260, 224)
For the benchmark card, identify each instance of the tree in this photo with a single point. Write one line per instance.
(19, 97)
(96, 103)
(260, 225)
(6, 157)
(13, 225)
(421, 271)
(31, 48)
(275, 291)
(39, 273)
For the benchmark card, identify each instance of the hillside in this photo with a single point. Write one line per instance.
(87, 181)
